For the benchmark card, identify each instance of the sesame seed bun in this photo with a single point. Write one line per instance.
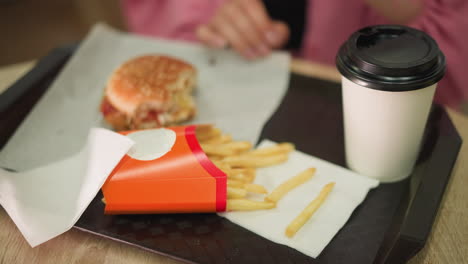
(152, 88)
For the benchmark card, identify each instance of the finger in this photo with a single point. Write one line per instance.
(278, 34)
(275, 33)
(257, 12)
(246, 27)
(210, 38)
(224, 28)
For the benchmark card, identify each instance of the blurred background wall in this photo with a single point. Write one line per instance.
(29, 29)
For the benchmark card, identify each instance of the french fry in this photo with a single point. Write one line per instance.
(273, 150)
(233, 174)
(238, 171)
(207, 132)
(247, 205)
(238, 177)
(240, 146)
(202, 130)
(221, 139)
(235, 193)
(228, 149)
(215, 158)
(250, 173)
(217, 150)
(239, 161)
(244, 174)
(255, 161)
(310, 209)
(290, 184)
(255, 188)
(235, 183)
(222, 165)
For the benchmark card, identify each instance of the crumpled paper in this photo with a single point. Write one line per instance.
(47, 201)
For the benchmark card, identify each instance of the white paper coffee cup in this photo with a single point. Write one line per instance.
(389, 77)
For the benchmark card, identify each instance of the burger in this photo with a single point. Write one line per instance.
(149, 91)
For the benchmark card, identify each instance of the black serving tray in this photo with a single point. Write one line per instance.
(390, 226)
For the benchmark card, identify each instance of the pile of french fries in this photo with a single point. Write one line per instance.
(239, 161)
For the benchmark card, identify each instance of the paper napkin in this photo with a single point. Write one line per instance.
(349, 191)
(47, 201)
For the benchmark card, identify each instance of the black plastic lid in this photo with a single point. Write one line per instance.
(391, 58)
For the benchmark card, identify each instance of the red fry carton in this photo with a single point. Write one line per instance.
(179, 181)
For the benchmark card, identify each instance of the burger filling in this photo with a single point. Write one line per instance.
(147, 117)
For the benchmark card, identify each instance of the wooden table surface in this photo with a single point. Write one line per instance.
(448, 242)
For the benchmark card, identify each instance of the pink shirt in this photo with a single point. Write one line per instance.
(329, 24)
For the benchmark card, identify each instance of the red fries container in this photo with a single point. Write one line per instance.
(182, 180)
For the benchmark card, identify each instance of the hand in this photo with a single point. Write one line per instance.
(245, 26)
